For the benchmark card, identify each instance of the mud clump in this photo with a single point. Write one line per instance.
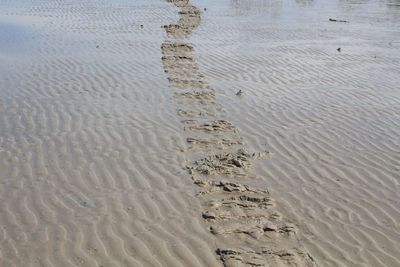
(264, 257)
(225, 164)
(214, 126)
(213, 143)
(176, 47)
(247, 215)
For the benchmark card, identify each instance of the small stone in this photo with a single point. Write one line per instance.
(270, 227)
(237, 163)
(209, 215)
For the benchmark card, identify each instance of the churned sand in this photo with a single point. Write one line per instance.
(199, 133)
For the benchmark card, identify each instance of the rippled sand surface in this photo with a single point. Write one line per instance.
(91, 168)
(331, 120)
(95, 140)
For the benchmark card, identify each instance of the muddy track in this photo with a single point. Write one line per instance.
(247, 228)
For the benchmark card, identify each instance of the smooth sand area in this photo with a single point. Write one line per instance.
(199, 133)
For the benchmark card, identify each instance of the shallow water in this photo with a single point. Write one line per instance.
(14, 38)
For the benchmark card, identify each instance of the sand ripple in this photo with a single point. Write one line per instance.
(116, 153)
(329, 119)
(91, 173)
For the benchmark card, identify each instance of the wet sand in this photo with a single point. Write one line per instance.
(175, 133)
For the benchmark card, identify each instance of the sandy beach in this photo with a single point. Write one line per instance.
(199, 133)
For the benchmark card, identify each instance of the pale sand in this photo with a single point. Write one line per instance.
(121, 145)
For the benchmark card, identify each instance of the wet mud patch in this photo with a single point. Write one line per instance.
(230, 164)
(243, 220)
